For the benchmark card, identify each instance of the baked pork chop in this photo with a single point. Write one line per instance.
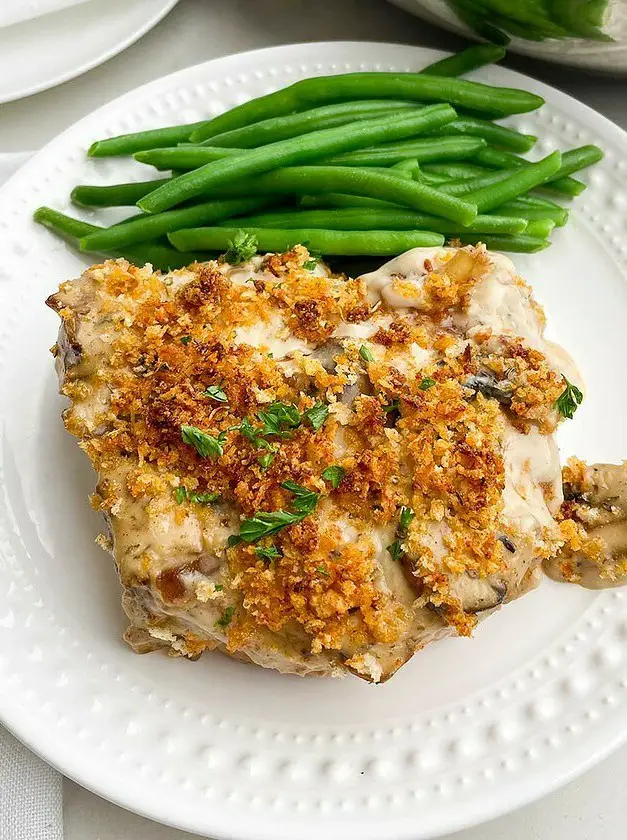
(315, 473)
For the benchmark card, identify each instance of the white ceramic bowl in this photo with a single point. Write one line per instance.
(608, 56)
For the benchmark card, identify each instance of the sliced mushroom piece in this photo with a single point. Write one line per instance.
(491, 387)
(478, 594)
(597, 500)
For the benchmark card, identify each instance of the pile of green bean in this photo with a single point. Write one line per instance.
(534, 20)
(362, 164)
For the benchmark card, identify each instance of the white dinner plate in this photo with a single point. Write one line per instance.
(44, 51)
(469, 728)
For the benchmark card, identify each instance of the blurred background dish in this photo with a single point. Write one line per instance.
(584, 33)
(42, 51)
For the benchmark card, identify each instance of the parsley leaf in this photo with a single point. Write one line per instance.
(266, 459)
(426, 383)
(181, 493)
(216, 393)
(366, 354)
(310, 265)
(233, 540)
(206, 445)
(393, 406)
(278, 417)
(396, 550)
(218, 587)
(270, 552)
(251, 434)
(322, 571)
(407, 515)
(266, 523)
(317, 414)
(242, 247)
(186, 339)
(304, 500)
(334, 475)
(569, 400)
(204, 498)
(226, 618)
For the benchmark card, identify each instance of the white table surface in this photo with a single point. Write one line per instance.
(593, 807)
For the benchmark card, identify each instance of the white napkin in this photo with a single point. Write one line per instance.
(31, 799)
(16, 11)
(31, 803)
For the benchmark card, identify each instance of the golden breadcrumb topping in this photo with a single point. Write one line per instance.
(413, 433)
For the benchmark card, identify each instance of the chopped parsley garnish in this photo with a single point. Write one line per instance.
(406, 517)
(266, 523)
(426, 383)
(186, 339)
(322, 571)
(334, 475)
(218, 587)
(216, 393)
(278, 419)
(206, 445)
(181, 494)
(310, 265)
(569, 400)
(393, 406)
(396, 548)
(233, 540)
(226, 617)
(204, 498)
(270, 552)
(366, 354)
(304, 500)
(242, 248)
(266, 459)
(317, 414)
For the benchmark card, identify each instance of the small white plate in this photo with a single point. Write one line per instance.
(44, 51)
(469, 728)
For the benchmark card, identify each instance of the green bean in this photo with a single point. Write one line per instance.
(498, 135)
(540, 228)
(185, 157)
(433, 148)
(307, 147)
(376, 219)
(519, 182)
(161, 257)
(469, 185)
(410, 165)
(521, 244)
(126, 144)
(582, 18)
(497, 159)
(333, 242)
(441, 173)
(302, 180)
(495, 101)
(526, 207)
(472, 58)
(345, 200)
(143, 228)
(293, 125)
(115, 195)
